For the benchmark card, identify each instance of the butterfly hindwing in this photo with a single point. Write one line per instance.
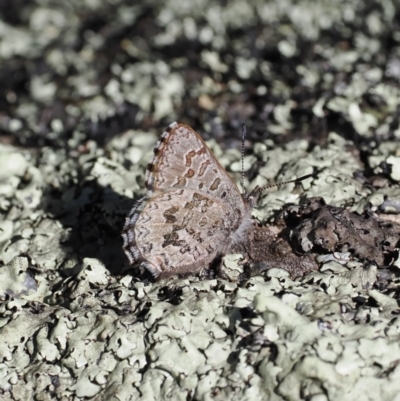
(178, 229)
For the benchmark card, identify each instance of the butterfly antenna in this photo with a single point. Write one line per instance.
(259, 190)
(243, 139)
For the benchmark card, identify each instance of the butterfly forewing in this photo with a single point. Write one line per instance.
(183, 160)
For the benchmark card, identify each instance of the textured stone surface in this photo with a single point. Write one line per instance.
(87, 88)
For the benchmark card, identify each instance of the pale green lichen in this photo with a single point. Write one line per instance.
(74, 322)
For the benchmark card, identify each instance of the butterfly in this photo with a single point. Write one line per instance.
(192, 212)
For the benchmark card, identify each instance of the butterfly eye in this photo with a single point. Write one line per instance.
(250, 200)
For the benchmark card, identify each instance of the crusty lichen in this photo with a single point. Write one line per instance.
(317, 83)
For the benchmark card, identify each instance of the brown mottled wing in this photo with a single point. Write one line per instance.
(183, 160)
(178, 230)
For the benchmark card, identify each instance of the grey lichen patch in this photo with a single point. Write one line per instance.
(332, 358)
(271, 332)
(296, 318)
(15, 280)
(394, 162)
(231, 266)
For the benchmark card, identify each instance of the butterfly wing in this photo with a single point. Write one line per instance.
(178, 230)
(183, 160)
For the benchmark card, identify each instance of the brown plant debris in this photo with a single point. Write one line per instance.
(327, 228)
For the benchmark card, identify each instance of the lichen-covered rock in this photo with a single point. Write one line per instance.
(307, 308)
